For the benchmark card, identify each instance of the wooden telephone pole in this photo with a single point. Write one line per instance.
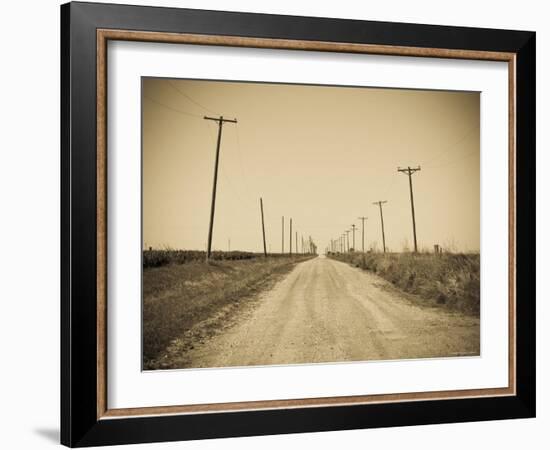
(263, 227)
(353, 231)
(380, 203)
(220, 121)
(409, 171)
(283, 235)
(363, 232)
(290, 237)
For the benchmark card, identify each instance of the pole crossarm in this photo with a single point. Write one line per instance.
(220, 119)
(408, 170)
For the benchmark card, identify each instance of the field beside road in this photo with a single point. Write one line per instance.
(450, 279)
(159, 258)
(185, 303)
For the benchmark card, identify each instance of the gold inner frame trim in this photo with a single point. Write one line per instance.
(103, 36)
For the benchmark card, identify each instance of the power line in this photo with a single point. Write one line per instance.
(242, 195)
(239, 151)
(444, 152)
(229, 183)
(446, 149)
(240, 154)
(192, 100)
(179, 111)
(390, 185)
(454, 161)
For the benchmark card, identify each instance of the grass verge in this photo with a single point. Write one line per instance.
(451, 279)
(178, 297)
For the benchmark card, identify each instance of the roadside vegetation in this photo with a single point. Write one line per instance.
(189, 300)
(159, 258)
(450, 279)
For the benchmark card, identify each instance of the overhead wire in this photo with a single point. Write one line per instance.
(454, 161)
(240, 154)
(225, 177)
(171, 108)
(446, 149)
(195, 102)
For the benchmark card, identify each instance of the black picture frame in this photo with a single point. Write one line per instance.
(80, 425)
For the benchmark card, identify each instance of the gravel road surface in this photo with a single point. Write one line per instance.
(328, 311)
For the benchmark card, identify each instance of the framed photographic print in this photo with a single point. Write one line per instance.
(276, 224)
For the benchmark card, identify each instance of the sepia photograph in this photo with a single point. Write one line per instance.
(298, 224)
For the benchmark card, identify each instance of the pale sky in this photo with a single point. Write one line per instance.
(321, 155)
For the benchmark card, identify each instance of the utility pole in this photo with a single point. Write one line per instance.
(409, 171)
(347, 239)
(283, 235)
(290, 236)
(263, 226)
(220, 121)
(296, 242)
(229, 245)
(380, 203)
(363, 233)
(353, 228)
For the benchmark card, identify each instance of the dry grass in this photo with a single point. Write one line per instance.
(159, 258)
(451, 279)
(177, 297)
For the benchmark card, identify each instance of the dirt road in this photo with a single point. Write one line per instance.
(328, 311)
